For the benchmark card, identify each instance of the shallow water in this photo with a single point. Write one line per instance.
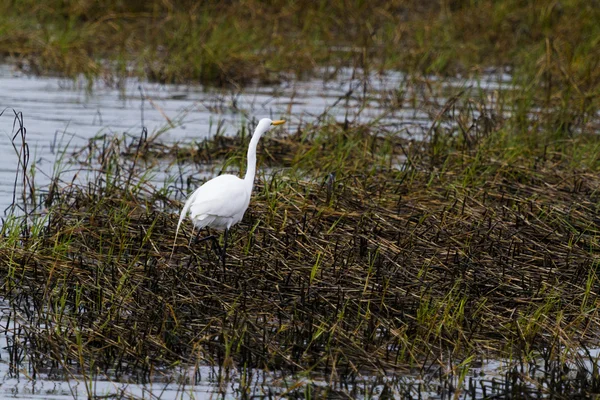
(60, 114)
(485, 378)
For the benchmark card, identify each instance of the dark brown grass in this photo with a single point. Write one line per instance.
(458, 253)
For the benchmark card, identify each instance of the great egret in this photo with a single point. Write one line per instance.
(221, 202)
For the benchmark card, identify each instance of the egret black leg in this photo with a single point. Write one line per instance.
(224, 254)
(213, 238)
(197, 239)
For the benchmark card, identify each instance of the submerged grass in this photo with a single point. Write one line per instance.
(362, 251)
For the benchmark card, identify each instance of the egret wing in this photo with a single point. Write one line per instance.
(224, 196)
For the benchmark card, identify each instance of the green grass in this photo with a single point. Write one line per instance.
(552, 46)
(362, 250)
(482, 243)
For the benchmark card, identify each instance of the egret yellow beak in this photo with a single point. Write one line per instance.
(279, 122)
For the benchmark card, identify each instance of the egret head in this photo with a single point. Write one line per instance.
(265, 124)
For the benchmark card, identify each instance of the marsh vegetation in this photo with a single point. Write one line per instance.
(370, 248)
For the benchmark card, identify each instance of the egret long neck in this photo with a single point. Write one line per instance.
(251, 168)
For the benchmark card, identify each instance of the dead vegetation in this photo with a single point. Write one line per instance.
(348, 261)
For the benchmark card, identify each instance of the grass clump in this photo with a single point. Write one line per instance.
(361, 251)
(552, 46)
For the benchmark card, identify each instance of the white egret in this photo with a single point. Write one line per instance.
(221, 202)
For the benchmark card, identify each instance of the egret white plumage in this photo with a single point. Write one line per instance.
(221, 202)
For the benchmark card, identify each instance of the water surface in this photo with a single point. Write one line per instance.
(63, 114)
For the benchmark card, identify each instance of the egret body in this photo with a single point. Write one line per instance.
(221, 202)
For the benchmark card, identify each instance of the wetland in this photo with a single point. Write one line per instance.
(425, 225)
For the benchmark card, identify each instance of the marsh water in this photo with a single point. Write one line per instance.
(61, 116)
(483, 379)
